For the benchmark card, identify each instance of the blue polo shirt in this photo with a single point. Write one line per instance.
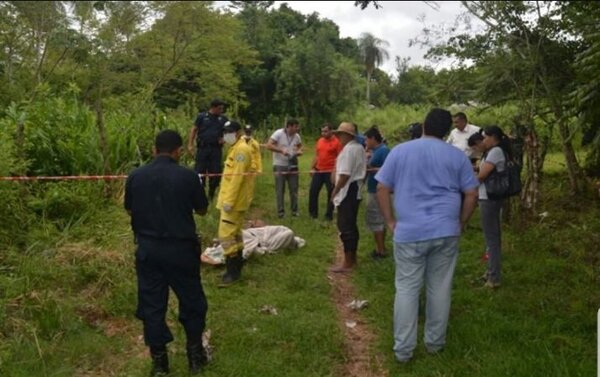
(161, 197)
(427, 176)
(377, 158)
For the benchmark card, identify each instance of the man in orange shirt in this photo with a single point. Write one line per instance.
(326, 152)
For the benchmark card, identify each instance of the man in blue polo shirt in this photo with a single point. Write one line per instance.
(427, 177)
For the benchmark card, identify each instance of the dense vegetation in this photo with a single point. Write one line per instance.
(85, 86)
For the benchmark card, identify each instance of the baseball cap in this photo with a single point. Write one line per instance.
(232, 126)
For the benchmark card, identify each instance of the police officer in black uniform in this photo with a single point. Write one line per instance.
(161, 198)
(208, 134)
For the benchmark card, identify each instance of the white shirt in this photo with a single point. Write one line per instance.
(287, 143)
(460, 138)
(352, 162)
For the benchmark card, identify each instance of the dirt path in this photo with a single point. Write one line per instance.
(359, 340)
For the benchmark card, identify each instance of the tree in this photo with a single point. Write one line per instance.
(581, 19)
(373, 53)
(315, 81)
(523, 55)
(364, 4)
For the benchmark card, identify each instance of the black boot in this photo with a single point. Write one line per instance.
(160, 361)
(197, 357)
(234, 269)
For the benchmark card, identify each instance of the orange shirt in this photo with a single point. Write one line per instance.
(327, 151)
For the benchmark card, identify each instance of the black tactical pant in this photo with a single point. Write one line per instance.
(209, 159)
(164, 263)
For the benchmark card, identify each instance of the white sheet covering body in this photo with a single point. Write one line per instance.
(261, 240)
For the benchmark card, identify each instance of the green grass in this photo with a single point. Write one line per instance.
(541, 322)
(67, 299)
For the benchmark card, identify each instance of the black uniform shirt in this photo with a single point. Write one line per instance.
(210, 128)
(161, 197)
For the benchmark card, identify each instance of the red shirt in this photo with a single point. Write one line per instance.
(327, 151)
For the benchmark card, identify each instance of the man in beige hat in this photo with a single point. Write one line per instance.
(350, 169)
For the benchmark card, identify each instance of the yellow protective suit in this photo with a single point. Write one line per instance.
(236, 192)
(256, 166)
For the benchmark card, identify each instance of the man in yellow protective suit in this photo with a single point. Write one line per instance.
(256, 167)
(234, 200)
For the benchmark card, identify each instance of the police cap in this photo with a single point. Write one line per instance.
(217, 102)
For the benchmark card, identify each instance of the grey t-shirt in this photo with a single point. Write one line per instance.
(495, 156)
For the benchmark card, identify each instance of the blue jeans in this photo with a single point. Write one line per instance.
(434, 260)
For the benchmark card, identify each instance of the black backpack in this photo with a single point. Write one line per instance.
(504, 184)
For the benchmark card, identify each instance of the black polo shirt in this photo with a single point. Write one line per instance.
(210, 128)
(161, 197)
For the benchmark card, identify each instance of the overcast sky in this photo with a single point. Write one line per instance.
(395, 22)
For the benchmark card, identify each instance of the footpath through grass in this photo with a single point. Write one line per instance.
(67, 300)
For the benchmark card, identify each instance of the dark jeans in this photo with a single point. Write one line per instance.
(317, 182)
(164, 263)
(208, 160)
(346, 219)
(490, 222)
(292, 181)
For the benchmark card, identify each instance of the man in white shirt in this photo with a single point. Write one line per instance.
(459, 136)
(350, 170)
(286, 145)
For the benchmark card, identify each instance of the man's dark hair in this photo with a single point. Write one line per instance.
(460, 115)
(167, 141)
(415, 130)
(292, 122)
(327, 125)
(437, 123)
(374, 133)
(475, 138)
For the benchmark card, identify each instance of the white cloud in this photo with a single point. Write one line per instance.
(397, 22)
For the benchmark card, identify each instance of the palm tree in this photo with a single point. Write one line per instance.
(373, 53)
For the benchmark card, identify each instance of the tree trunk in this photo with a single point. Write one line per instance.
(102, 139)
(20, 140)
(573, 168)
(534, 162)
(368, 88)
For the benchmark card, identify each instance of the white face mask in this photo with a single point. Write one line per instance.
(230, 138)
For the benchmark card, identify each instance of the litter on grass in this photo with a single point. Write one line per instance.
(268, 309)
(358, 304)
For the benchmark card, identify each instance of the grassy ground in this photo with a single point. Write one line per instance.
(541, 322)
(67, 301)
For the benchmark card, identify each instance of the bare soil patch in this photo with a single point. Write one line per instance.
(359, 339)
